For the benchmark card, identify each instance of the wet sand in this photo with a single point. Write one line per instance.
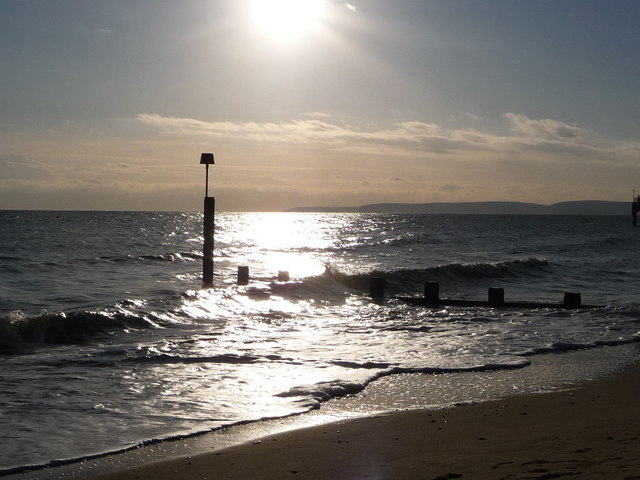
(591, 431)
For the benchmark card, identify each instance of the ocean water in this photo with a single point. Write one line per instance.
(108, 338)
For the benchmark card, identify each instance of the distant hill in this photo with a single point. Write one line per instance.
(584, 207)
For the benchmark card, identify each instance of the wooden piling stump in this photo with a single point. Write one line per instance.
(283, 276)
(572, 300)
(432, 293)
(496, 296)
(376, 287)
(243, 275)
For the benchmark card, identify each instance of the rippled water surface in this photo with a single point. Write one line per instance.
(108, 339)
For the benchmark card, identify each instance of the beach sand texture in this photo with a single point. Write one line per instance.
(592, 431)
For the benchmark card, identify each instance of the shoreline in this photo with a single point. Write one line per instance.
(579, 367)
(589, 431)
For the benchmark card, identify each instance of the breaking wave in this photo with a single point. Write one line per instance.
(453, 272)
(19, 332)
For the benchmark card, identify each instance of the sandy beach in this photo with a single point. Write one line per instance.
(592, 431)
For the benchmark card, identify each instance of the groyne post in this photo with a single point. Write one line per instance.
(496, 296)
(432, 293)
(572, 300)
(376, 287)
(243, 275)
(283, 276)
(209, 214)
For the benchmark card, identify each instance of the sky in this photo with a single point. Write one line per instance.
(107, 105)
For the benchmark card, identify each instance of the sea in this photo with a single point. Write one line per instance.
(109, 340)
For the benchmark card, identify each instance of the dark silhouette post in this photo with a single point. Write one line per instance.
(432, 293)
(209, 213)
(283, 275)
(572, 300)
(635, 207)
(243, 275)
(496, 296)
(376, 287)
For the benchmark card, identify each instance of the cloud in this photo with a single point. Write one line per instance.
(350, 6)
(410, 135)
(319, 159)
(102, 31)
(545, 128)
(95, 31)
(450, 188)
(16, 167)
(318, 114)
(548, 158)
(297, 131)
(411, 138)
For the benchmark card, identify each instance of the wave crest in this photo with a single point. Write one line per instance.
(406, 279)
(18, 332)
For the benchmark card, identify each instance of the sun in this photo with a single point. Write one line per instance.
(287, 19)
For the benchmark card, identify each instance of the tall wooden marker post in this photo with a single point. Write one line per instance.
(209, 213)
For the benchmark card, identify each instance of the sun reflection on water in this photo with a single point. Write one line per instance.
(282, 241)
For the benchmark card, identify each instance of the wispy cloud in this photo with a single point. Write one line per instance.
(545, 128)
(95, 31)
(319, 158)
(450, 188)
(297, 131)
(16, 167)
(409, 138)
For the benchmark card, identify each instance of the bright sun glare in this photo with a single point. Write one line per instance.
(287, 19)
